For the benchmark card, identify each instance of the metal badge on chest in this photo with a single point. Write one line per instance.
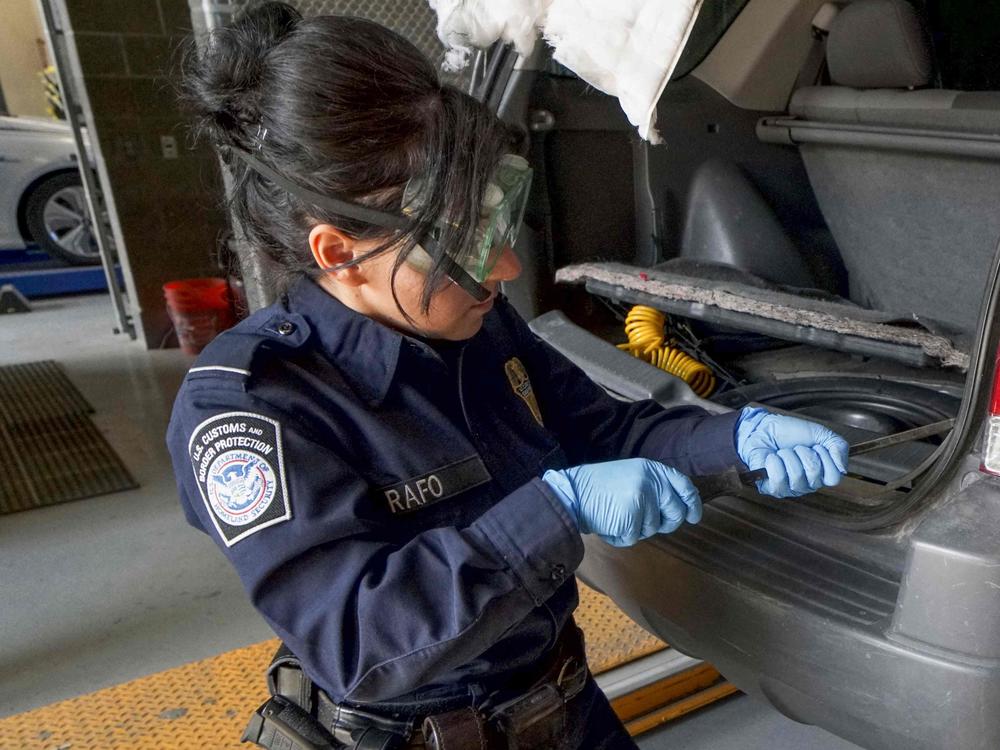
(521, 384)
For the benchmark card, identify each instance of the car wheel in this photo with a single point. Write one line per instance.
(58, 219)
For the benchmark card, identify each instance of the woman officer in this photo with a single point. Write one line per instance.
(398, 469)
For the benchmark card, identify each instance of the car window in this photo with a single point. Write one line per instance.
(413, 19)
(966, 35)
(713, 20)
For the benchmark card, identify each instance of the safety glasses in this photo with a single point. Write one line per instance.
(499, 221)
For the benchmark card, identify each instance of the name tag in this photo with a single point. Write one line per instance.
(433, 487)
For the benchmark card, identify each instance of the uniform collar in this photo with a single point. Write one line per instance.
(366, 351)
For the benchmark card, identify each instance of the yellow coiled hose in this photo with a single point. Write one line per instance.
(646, 340)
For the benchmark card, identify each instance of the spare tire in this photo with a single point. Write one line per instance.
(873, 404)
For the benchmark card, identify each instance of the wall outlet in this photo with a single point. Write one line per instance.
(168, 144)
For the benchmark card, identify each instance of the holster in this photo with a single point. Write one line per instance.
(301, 716)
(279, 723)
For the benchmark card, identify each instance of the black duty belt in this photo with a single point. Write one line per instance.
(300, 716)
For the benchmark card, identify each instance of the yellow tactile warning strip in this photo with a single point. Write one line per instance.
(203, 705)
(206, 704)
(612, 638)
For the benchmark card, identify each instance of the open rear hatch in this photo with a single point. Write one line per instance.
(860, 614)
(882, 480)
(809, 275)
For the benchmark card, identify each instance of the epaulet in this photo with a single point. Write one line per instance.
(230, 355)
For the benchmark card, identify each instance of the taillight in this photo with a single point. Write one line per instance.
(991, 450)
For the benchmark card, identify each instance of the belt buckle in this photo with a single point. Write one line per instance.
(572, 677)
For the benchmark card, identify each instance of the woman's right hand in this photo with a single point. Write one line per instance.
(626, 501)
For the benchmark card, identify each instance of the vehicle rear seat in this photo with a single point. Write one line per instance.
(906, 177)
(878, 56)
(932, 109)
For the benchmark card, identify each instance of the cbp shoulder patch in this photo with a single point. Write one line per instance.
(240, 471)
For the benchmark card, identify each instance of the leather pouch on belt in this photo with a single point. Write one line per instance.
(459, 729)
(535, 720)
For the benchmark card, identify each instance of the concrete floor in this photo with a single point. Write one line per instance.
(740, 723)
(107, 589)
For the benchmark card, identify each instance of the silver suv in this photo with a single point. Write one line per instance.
(821, 230)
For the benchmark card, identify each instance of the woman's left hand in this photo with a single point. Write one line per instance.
(800, 456)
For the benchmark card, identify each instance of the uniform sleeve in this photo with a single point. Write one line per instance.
(593, 426)
(370, 619)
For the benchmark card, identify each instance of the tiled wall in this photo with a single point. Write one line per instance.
(168, 208)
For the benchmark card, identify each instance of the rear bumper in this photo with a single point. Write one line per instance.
(818, 637)
(891, 641)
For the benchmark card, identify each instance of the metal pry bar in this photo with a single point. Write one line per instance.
(733, 480)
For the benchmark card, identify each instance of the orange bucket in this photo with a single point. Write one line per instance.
(200, 309)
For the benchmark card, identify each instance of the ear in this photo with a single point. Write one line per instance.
(331, 247)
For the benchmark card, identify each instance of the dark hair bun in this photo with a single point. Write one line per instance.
(222, 78)
(352, 110)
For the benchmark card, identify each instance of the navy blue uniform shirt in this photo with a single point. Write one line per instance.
(385, 510)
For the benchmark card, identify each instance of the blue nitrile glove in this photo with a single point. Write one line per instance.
(625, 501)
(800, 456)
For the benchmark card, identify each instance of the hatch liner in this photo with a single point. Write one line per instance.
(842, 326)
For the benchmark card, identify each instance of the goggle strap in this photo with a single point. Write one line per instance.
(455, 272)
(334, 205)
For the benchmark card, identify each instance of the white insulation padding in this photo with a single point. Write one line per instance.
(625, 48)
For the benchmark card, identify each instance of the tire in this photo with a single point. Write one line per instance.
(58, 219)
(878, 405)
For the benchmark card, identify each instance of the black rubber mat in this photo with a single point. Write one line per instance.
(38, 389)
(50, 451)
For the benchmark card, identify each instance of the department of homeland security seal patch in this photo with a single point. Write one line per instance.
(240, 471)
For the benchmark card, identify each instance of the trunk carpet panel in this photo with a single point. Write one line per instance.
(206, 704)
(838, 325)
(50, 451)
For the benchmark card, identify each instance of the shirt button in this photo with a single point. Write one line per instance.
(558, 572)
(286, 329)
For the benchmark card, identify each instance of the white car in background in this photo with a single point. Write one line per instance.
(42, 199)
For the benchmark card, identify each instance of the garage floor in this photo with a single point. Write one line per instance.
(100, 591)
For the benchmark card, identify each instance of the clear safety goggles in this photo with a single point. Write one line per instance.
(499, 220)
